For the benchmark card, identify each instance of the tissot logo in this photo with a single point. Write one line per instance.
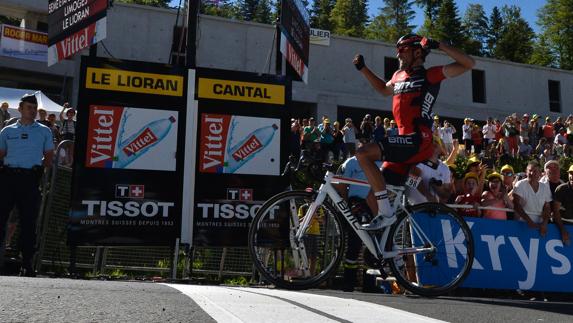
(129, 191)
(240, 194)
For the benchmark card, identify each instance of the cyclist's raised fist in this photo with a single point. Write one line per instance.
(358, 62)
(429, 43)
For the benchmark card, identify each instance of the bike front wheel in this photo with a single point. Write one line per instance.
(283, 259)
(435, 249)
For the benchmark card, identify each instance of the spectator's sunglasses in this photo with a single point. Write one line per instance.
(507, 174)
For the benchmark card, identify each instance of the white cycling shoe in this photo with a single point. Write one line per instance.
(379, 222)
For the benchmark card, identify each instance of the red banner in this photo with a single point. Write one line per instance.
(213, 142)
(104, 122)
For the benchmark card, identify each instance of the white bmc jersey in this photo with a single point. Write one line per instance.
(439, 171)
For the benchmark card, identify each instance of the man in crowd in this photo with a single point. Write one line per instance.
(488, 131)
(552, 177)
(531, 199)
(564, 198)
(25, 147)
(508, 177)
(447, 135)
(349, 138)
(414, 91)
(4, 114)
(356, 196)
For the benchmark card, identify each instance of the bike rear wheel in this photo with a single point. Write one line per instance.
(280, 257)
(436, 247)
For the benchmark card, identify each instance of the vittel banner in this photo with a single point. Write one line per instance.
(239, 145)
(131, 138)
(129, 161)
(243, 126)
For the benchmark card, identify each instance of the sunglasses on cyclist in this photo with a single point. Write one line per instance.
(508, 174)
(402, 49)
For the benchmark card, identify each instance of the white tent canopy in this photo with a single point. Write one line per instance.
(12, 96)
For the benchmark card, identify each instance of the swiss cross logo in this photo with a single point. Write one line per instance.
(240, 194)
(246, 194)
(129, 191)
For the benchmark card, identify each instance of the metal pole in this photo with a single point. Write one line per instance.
(175, 260)
(192, 17)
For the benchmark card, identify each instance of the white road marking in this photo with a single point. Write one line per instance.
(234, 304)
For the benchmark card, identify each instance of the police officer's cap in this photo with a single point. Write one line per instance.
(30, 98)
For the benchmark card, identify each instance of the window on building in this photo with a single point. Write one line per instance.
(478, 86)
(554, 96)
(391, 65)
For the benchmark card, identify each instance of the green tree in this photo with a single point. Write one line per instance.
(431, 8)
(556, 22)
(153, 3)
(392, 22)
(349, 17)
(543, 54)
(220, 8)
(247, 9)
(516, 41)
(448, 26)
(475, 25)
(494, 31)
(264, 12)
(320, 14)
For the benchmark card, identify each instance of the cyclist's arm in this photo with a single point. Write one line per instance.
(463, 62)
(386, 88)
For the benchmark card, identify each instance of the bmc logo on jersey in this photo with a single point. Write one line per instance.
(400, 140)
(408, 86)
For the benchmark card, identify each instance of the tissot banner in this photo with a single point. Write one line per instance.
(241, 150)
(128, 163)
(508, 255)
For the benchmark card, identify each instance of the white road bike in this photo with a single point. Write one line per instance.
(297, 240)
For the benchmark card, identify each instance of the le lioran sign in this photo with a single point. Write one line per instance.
(241, 91)
(135, 82)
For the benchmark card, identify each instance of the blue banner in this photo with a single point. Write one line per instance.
(508, 255)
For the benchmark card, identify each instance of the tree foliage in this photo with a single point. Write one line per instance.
(475, 24)
(556, 22)
(431, 8)
(392, 22)
(320, 14)
(153, 3)
(448, 25)
(349, 17)
(516, 40)
(220, 8)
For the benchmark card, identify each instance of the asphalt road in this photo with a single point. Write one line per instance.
(66, 300)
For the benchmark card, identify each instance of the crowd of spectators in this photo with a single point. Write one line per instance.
(475, 167)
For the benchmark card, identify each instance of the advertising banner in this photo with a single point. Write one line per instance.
(74, 25)
(294, 28)
(319, 37)
(23, 43)
(293, 58)
(128, 162)
(243, 125)
(239, 145)
(508, 255)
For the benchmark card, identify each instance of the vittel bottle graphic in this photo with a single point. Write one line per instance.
(140, 142)
(248, 147)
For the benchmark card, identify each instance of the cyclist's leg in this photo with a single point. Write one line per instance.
(367, 155)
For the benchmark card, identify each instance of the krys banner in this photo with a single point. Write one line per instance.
(508, 255)
(128, 163)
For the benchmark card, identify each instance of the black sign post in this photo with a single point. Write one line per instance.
(242, 135)
(128, 165)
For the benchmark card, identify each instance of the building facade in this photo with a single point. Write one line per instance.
(494, 88)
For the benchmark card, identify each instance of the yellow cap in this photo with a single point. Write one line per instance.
(392, 121)
(494, 175)
(507, 167)
(436, 118)
(470, 175)
(473, 160)
(326, 120)
(570, 169)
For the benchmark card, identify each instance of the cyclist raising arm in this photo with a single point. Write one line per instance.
(414, 91)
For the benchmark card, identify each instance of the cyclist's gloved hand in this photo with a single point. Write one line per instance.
(429, 43)
(358, 62)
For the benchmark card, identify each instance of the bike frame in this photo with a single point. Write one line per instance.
(374, 242)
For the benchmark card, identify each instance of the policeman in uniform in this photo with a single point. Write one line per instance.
(26, 147)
